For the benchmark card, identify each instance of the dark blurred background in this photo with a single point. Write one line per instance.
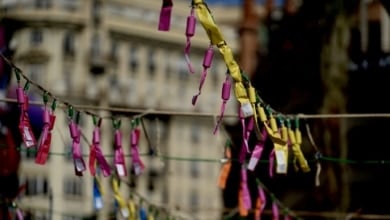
(325, 56)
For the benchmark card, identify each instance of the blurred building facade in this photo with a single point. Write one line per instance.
(108, 53)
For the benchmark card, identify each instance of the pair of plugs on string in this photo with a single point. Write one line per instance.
(207, 58)
(25, 128)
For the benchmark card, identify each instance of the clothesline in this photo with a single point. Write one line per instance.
(223, 160)
(143, 112)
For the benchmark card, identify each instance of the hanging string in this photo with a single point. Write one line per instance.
(335, 160)
(143, 112)
(318, 155)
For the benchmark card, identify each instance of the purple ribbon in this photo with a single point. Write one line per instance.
(244, 146)
(45, 141)
(164, 23)
(19, 214)
(256, 154)
(271, 163)
(24, 121)
(263, 198)
(78, 160)
(275, 211)
(207, 60)
(225, 95)
(119, 159)
(138, 166)
(96, 153)
(245, 191)
(190, 32)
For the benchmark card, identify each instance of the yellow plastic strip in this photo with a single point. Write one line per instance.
(280, 145)
(132, 210)
(121, 202)
(284, 149)
(216, 38)
(296, 141)
(298, 152)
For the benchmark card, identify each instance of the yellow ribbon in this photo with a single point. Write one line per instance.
(273, 133)
(150, 216)
(252, 99)
(121, 202)
(132, 210)
(216, 38)
(280, 145)
(261, 114)
(284, 135)
(99, 185)
(207, 22)
(246, 97)
(296, 141)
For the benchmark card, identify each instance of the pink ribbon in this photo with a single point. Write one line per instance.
(275, 211)
(262, 198)
(190, 32)
(138, 166)
(19, 214)
(45, 141)
(97, 154)
(271, 163)
(225, 95)
(248, 128)
(79, 164)
(119, 159)
(246, 198)
(256, 154)
(164, 23)
(244, 146)
(24, 121)
(207, 60)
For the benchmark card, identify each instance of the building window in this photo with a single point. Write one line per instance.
(168, 68)
(183, 70)
(37, 216)
(36, 73)
(113, 81)
(168, 64)
(95, 47)
(133, 62)
(96, 11)
(165, 194)
(151, 62)
(69, 217)
(195, 133)
(114, 50)
(152, 180)
(214, 78)
(68, 150)
(36, 37)
(69, 44)
(73, 187)
(194, 201)
(194, 169)
(70, 5)
(42, 3)
(36, 185)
